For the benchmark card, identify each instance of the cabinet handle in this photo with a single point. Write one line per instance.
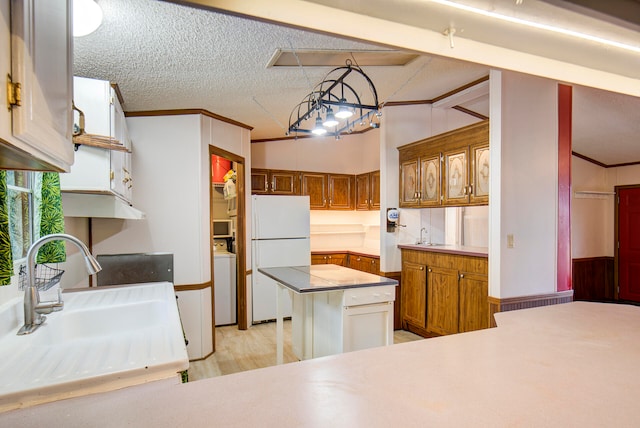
(421, 268)
(373, 261)
(461, 275)
(429, 270)
(266, 185)
(329, 257)
(80, 130)
(273, 185)
(470, 189)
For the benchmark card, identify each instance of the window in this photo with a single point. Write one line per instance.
(21, 212)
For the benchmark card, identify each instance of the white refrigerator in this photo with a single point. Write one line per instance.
(279, 237)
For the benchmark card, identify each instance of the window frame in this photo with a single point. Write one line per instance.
(30, 191)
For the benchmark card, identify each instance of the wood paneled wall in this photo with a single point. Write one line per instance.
(593, 279)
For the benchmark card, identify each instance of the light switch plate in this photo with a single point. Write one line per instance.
(510, 241)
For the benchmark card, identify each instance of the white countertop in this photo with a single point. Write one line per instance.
(569, 365)
(317, 278)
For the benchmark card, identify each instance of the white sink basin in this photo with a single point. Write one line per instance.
(104, 339)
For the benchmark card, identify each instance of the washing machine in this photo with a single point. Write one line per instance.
(224, 286)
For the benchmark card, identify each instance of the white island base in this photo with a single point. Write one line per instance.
(335, 309)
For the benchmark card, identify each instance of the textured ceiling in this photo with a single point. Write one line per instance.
(167, 56)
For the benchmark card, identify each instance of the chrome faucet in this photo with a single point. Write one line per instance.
(33, 307)
(421, 241)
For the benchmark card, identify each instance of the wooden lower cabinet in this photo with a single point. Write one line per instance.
(474, 307)
(364, 263)
(442, 300)
(414, 295)
(333, 258)
(444, 293)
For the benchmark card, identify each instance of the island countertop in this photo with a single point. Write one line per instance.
(572, 364)
(318, 278)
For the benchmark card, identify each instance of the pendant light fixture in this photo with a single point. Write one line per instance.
(319, 129)
(357, 96)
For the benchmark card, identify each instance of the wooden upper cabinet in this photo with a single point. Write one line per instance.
(479, 190)
(455, 181)
(274, 182)
(368, 191)
(362, 191)
(374, 190)
(285, 182)
(315, 185)
(325, 191)
(409, 183)
(447, 169)
(430, 185)
(259, 181)
(341, 191)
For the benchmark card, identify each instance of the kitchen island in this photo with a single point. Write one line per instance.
(569, 365)
(335, 309)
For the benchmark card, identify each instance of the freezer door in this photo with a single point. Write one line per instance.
(274, 253)
(276, 217)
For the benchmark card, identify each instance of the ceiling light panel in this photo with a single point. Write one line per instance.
(336, 58)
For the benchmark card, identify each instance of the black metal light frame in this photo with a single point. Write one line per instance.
(335, 92)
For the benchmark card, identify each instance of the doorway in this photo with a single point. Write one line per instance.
(225, 166)
(628, 242)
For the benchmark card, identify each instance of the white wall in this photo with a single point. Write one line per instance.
(351, 154)
(592, 215)
(170, 168)
(524, 177)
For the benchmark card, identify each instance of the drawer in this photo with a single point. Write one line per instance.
(369, 295)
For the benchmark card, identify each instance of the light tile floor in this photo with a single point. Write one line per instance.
(240, 350)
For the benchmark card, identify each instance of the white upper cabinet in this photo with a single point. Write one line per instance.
(103, 160)
(36, 53)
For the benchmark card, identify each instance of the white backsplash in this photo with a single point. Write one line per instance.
(344, 230)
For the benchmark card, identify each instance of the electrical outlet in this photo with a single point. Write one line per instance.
(510, 241)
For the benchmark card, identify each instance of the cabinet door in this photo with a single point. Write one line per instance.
(374, 191)
(363, 191)
(455, 179)
(318, 259)
(341, 192)
(430, 183)
(409, 183)
(474, 307)
(337, 259)
(365, 264)
(41, 61)
(442, 298)
(259, 181)
(479, 190)
(284, 182)
(414, 294)
(315, 186)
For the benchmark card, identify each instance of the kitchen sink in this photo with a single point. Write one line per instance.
(105, 338)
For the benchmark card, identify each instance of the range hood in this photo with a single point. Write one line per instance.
(98, 205)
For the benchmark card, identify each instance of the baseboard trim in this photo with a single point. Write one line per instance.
(523, 302)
